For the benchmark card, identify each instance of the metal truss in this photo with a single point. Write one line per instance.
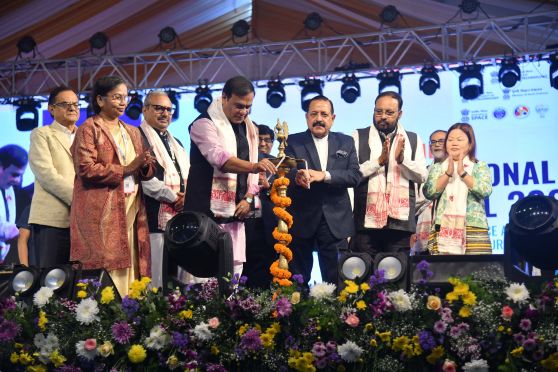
(471, 40)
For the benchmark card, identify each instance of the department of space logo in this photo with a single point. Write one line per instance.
(521, 112)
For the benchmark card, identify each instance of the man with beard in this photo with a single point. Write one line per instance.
(437, 145)
(391, 161)
(321, 207)
(164, 193)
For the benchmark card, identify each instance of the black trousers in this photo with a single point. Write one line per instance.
(259, 254)
(51, 245)
(374, 241)
(327, 246)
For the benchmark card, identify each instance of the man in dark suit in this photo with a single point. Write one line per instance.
(321, 207)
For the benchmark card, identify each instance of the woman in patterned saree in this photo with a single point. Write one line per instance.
(458, 187)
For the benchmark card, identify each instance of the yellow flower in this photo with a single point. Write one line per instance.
(461, 289)
(343, 296)
(14, 358)
(267, 340)
(186, 314)
(351, 286)
(137, 354)
(82, 294)
(368, 327)
(361, 305)
(465, 312)
(384, 336)
(107, 295)
(243, 328)
(172, 362)
(42, 320)
(18, 345)
(57, 359)
(106, 349)
(452, 296)
(399, 343)
(469, 298)
(215, 350)
(454, 281)
(155, 289)
(37, 368)
(517, 352)
(551, 363)
(373, 343)
(364, 287)
(274, 328)
(25, 358)
(436, 354)
(308, 357)
(295, 298)
(82, 285)
(433, 303)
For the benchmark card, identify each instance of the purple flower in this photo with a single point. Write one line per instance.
(250, 340)
(68, 369)
(440, 326)
(319, 349)
(426, 340)
(525, 324)
(331, 346)
(283, 307)
(529, 344)
(179, 340)
(8, 330)
(423, 265)
(519, 338)
(298, 278)
(538, 354)
(122, 332)
(211, 367)
(130, 306)
(7, 303)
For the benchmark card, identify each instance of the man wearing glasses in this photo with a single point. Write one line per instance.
(51, 161)
(164, 193)
(391, 161)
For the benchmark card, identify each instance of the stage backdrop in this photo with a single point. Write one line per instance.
(516, 129)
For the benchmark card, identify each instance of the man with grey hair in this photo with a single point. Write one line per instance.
(164, 193)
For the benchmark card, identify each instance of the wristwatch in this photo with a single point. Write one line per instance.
(249, 199)
(463, 175)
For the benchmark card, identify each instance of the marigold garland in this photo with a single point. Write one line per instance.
(281, 276)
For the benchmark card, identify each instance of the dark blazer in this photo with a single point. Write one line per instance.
(328, 199)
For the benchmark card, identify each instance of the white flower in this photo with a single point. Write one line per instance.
(349, 351)
(517, 293)
(82, 352)
(157, 339)
(478, 365)
(322, 290)
(86, 311)
(41, 297)
(203, 332)
(400, 300)
(45, 345)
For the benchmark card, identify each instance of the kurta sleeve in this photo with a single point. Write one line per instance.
(429, 188)
(204, 134)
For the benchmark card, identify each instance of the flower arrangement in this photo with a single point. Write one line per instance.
(367, 326)
(280, 268)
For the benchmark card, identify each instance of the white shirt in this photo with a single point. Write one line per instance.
(322, 146)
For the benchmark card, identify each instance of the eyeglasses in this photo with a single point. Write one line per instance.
(160, 109)
(440, 142)
(267, 140)
(388, 113)
(67, 105)
(118, 97)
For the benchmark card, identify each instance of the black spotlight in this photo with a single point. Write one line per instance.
(394, 266)
(350, 90)
(26, 44)
(313, 21)
(310, 88)
(553, 72)
(429, 81)
(203, 98)
(167, 35)
(27, 114)
(389, 81)
(532, 231)
(240, 28)
(174, 96)
(98, 41)
(25, 280)
(469, 6)
(275, 93)
(199, 245)
(389, 14)
(354, 266)
(509, 73)
(471, 84)
(135, 106)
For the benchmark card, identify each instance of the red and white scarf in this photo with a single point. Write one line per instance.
(172, 177)
(223, 187)
(388, 195)
(451, 238)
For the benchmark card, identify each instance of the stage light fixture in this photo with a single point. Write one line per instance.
(471, 83)
(509, 73)
(203, 98)
(532, 231)
(25, 280)
(200, 246)
(174, 96)
(313, 21)
(240, 28)
(26, 44)
(389, 81)
(167, 35)
(275, 93)
(27, 114)
(469, 6)
(311, 88)
(135, 106)
(395, 267)
(553, 70)
(98, 41)
(354, 266)
(429, 81)
(350, 90)
(389, 14)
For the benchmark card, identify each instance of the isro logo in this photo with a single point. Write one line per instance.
(499, 113)
(521, 112)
